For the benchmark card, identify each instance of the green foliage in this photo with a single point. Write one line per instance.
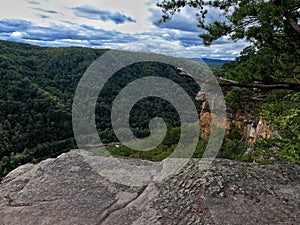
(157, 154)
(273, 58)
(284, 115)
(285, 150)
(201, 146)
(234, 133)
(233, 150)
(240, 99)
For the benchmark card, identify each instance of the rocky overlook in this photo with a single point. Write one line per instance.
(71, 189)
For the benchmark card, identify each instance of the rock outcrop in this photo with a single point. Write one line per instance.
(73, 190)
(251, 131)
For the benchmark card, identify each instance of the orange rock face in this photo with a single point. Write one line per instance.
(250, 130)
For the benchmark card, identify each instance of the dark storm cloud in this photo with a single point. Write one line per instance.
(46, 10)
(103, 15)
(33, 2)
(43, 16)
(12, 25)
(54, 34)
(184, 21)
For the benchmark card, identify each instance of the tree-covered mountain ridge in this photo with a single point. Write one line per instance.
(38, 86)
(36, 93)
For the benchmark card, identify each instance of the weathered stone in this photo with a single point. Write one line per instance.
(73, 189)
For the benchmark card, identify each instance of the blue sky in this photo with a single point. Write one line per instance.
(124, 25)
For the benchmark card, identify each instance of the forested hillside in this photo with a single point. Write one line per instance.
(36, 92)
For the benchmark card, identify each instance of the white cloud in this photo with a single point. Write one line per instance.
(54, 23)
(219, 51)
(16, 34)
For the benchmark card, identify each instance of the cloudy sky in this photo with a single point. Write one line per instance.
(116, 24)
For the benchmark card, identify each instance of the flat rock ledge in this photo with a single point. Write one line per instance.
(72, 189)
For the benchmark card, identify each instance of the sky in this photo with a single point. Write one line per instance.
(116, 24)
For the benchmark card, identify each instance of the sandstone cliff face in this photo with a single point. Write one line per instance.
(250, 130)
(72, 190)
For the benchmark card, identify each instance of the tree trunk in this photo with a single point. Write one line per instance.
(293, 23)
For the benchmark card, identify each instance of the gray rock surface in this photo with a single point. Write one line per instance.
(74, 189)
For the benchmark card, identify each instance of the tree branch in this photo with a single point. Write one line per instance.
(288, 16)
(295, 77)
(283, 85)
(223, 82)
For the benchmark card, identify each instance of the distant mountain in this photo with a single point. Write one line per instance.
(209, 60)
(213, 64)
(217, 61)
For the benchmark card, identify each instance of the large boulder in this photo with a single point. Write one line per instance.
(76, 189)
